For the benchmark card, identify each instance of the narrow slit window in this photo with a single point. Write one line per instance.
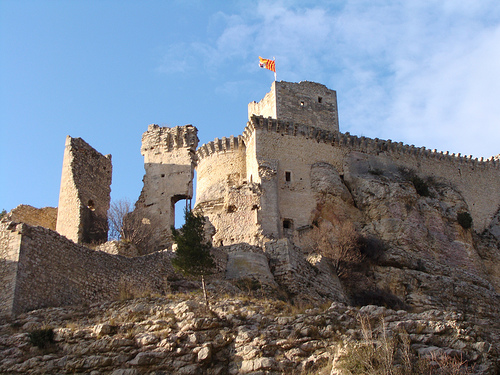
(288, 176)
(320, 99)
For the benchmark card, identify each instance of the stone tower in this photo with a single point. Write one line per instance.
(85, 193)
(306, 103)
(169, 161)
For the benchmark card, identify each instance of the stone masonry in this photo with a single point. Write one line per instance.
(85, 193)
(307, 103)
(42, 268)
(292, 129)
(169, 161)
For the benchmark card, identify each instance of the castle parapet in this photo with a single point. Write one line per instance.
(158, 139)
(361, 144)
(220, 145)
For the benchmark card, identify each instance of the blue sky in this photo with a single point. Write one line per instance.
(419, 71)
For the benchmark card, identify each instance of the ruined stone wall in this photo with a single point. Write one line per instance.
(169, 161)
(45, 217)
(85, 193)
(224, 194)
(305, 102)
(265, 107)
(10, 242)
(50, 270)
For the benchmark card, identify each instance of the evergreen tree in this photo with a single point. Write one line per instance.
(193, 251)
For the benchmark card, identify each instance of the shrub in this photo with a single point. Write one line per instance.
(42, 338)
(465, 220)
(421, 186)
(2, 214)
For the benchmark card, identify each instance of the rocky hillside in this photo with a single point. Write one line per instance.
(244, 335)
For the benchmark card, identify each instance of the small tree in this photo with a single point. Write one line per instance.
(193, 251)
(340, 243)
(128, 226)
(3, 213)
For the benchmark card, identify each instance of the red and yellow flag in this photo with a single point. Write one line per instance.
(268, 64)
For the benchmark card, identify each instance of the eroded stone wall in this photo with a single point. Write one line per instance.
(47, 269)
(169, 161)
(45, 217)
(85, 193)
(224, 195)
(10, 242)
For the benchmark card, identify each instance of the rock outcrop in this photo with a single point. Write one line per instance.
(239, 335)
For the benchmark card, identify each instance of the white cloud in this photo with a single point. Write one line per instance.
(422, 72)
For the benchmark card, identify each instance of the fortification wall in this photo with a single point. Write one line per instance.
(68, 273)
(224, 194)
(221, 164)
(85, 193)
(45, 217)
(169, 161)
(296, 147)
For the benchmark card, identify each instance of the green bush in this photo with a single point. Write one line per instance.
(465, 220)
(42, 338)
(421, 185)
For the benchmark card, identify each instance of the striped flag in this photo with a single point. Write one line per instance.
(268, 64)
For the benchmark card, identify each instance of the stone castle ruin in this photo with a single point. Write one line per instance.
(260, 192)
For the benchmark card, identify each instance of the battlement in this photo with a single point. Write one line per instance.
(220, 145)
(158, 139)
(361, 144)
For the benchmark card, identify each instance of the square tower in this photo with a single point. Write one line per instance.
(307, 103)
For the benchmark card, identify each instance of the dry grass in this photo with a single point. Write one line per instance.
(384, 355)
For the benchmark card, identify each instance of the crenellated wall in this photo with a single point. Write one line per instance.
(278, 156)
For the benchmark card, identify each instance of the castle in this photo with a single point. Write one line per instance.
(261, 186)
(258, 186)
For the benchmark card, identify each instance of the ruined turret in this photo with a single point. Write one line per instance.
(85, 193)
(169, 161)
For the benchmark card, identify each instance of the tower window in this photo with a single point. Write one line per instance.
(320, 99)
(287, 224)
(288, 176)
(301, 103)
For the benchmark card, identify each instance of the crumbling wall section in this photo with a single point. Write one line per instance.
(265, 107)
(169, 161)
(10, 243)
(54, 271)
(224, 195)
(45, 217)
(85, 193)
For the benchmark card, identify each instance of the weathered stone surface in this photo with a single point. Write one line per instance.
(242, 264)
(268, 336)
(45, 217)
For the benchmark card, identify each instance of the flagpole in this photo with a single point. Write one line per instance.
(274, 58)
